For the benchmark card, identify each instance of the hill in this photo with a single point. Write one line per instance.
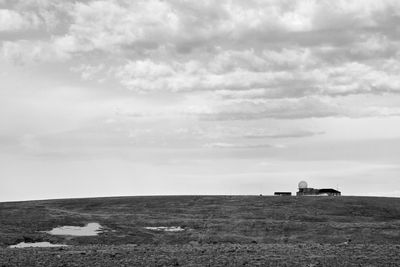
(208, 221)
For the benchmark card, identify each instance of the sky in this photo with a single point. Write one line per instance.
(110, 98)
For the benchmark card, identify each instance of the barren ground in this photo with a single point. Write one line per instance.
(218, 231)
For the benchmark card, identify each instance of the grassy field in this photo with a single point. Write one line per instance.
(313, 228)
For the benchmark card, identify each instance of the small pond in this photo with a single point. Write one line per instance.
(166, 228)
(91, 229)
(36, 245)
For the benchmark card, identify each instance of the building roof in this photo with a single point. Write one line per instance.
(283, 193)
(328, 190)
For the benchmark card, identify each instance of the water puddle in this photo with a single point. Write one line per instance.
(166, 228)
(91, 229)
(36, 245)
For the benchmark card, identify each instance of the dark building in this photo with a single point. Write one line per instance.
(329, 192)
(318, 192)
(283, 193)
(304, 190)
(307, 192)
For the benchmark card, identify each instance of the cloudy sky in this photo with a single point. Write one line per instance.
(121, 97)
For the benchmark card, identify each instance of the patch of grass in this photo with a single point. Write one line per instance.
(208, 219)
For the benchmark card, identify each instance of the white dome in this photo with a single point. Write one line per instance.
(303, 184)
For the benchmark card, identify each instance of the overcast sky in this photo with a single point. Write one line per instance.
(102, 98)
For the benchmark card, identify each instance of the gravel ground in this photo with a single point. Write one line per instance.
(217, 231)
(206, 255)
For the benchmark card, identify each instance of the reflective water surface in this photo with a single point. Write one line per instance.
(91, 229)
(166, 228)
(36, 245)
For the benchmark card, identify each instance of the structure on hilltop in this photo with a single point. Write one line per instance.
(304, 190)
(283, 193)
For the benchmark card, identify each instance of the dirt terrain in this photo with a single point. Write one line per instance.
(217, 231)
(206, 255)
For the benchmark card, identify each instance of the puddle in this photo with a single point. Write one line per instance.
(91, 229)
(166, 228)
(36, 245)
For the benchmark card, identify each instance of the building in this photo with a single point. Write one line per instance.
(304, 190)
(307, 192)
(283, 193)
(329, 192)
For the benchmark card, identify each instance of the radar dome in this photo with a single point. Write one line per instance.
(303, 184)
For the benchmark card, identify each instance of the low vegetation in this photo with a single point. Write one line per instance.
(223, 222)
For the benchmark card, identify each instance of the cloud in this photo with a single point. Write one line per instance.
(112, 26)
(255, 59)
(12, 21)
(229, 70)
(164, 89)
(306, 107)
(265, 74)
(89, 72)
(237, 146)
(23, 51)
(293, 134)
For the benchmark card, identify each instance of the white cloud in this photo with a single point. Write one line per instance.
(11, 21)
(89, 72)
(23, 51)
(231, 145)
(182, 83)
(111, 25)
(256, 59)
(227, 71)
(281, 109)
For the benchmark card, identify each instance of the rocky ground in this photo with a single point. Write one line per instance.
(206, 255)
(216, 231)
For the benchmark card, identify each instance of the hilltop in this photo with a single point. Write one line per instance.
(221, 222)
